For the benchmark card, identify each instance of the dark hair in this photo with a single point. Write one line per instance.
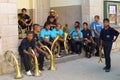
(24, 9)
(77, 27)
(106, 19)
(77, 22)
(85, 23)
(97, 16)
(29, 32)
(34, 25)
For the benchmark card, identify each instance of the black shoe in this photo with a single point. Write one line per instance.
(89, 56)
(104, 68)
(41, 69)
(107, 70)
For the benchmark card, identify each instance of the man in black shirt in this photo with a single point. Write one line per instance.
(36, 30)
(108, 35)
(51, 22)
(27, 43)
(24, 20)
(89, 44)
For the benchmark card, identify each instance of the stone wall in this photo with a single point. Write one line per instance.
(8, 31)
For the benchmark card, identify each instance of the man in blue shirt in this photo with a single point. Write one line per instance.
(108, 35)
(76, 42)
(96, 28)
(45, 36)
(88, 40)
(27, 43)
(77, 24)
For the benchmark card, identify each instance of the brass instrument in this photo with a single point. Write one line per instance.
(12, 60)
(52, 65)
(100, 56)
(53, 48)
(66, 36)
(36, 72)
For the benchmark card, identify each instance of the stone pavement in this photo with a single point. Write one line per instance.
(80, 69)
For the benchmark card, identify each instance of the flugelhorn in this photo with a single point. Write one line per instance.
(52, 64)
(12, 60)
(100, 56)
(36, 71)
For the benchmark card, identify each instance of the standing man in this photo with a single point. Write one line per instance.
(25, 20)
(96, 28)
(108, 35)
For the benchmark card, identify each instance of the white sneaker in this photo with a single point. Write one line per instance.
(28, 73)
(58, 56)
(40, 71)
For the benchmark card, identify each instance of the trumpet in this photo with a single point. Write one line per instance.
(100, 56)
(52, 64)
(36, 72)
(12, 61)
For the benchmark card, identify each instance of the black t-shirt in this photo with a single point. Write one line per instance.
(108, 35)
(48, 18)
(87, 33)
(35, 36)
(25, 44)
(25, 17)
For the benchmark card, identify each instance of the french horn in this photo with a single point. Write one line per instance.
(12, 61)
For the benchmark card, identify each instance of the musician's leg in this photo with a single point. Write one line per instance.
(107, 51)
(26, 62)
(41, 60)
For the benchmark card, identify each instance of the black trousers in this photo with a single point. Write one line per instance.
(27, 61)
(76, 46)
(107, 46)
(97, 41)
(24, 26)
(89, 48)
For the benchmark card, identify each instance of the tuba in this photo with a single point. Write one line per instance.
(12, 61)
(66, 36)
(100, 56)
(36, 71)
(52, 64)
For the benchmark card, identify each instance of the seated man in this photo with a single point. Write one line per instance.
(24, 20)
(77, 24)
(88, 40)
(53, 14)
(27, 43)
(77, 41)
(45, 36)
(36, 30)
(51, 22)
(58, 31)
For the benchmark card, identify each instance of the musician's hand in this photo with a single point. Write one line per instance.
(50, 43)
(37, 55)
(32, 55)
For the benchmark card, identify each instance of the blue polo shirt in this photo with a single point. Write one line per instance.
(73, 30)
(86, 33)
(96, 26)
(108, 35)
(56, 32)
(75, 35)
(45, 34)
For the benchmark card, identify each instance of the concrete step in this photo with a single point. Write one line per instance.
(66, 58)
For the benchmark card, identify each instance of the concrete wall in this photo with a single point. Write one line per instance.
(69, 11)
(8, 32)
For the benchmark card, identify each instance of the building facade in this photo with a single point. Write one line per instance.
(69, 11)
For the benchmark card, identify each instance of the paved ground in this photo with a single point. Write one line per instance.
(81, 69)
